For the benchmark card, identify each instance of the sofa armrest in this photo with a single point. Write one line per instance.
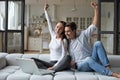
(2, 62)
(114, 60)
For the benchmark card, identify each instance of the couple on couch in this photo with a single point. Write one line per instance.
(65, 42)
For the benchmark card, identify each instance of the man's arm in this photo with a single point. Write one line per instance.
(95, 18)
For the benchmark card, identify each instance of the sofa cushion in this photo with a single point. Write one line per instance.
(64, 75)
(104, 77)
(2, 62)
(19, 75)
(41, 77)
(30, 56)
(45, 57)
(85, 76)
(116, 69)
(114, 60)
(4, 75)
(11, 59)
(10, 69)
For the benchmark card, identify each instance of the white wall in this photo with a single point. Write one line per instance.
(60, 12)
(83, 10)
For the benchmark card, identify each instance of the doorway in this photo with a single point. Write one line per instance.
(108, 30)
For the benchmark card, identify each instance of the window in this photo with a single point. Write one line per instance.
(81, 22)
(13, 16)
(2, 15)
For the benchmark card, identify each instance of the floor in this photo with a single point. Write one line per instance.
(36, 52)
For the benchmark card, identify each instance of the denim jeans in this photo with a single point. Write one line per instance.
(96, 62)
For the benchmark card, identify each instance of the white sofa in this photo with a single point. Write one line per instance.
(9, 69)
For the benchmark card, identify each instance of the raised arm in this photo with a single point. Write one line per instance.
(95, 18)
(50, 26)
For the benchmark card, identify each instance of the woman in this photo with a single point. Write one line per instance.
(58, 46)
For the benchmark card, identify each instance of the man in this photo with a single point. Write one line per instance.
(86, 58)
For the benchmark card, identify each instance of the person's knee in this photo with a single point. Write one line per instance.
(89, 60)
(98, 43)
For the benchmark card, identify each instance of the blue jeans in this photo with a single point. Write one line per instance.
(97, 62)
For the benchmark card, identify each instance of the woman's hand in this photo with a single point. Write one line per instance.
(51, 68)
(46, 6)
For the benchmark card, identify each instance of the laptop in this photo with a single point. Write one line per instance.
(29, 66)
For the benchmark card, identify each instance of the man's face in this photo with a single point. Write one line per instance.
(69, 33)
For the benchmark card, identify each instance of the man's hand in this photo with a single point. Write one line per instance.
(94, 5)
(72, 63)
(46, 6)
(95, 18)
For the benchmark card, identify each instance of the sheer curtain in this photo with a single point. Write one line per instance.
(1, 22)
(13, 16)
(2, 15)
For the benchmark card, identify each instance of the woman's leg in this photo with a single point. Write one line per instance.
(99, 54)
(64, 64)
(42, 64)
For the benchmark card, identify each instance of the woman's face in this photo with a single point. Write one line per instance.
(59, 28)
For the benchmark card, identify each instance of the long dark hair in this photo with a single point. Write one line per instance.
(63, 33)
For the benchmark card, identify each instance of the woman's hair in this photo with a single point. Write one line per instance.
(63, 23)
(63, 33)
(72, 25)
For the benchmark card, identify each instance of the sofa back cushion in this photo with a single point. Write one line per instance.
(114, 60)
(11, 59)
(45, 57)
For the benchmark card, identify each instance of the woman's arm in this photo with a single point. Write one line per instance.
(64, 52)
(50, 26)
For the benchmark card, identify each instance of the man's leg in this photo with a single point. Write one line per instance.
(84, 66)
(99, 54)
(90, 64)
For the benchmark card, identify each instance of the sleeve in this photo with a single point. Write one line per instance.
(90, 30)
(64, 51)
(50, 26)
(72, 57)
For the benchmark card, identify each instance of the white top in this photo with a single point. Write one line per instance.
(80, 47)
(57, 48)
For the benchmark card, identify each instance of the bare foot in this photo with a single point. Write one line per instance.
(117, 75)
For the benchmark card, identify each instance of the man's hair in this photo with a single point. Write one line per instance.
(72, 25)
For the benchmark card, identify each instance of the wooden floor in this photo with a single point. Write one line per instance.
(36, 52)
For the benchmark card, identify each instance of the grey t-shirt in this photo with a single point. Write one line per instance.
(80, 47)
